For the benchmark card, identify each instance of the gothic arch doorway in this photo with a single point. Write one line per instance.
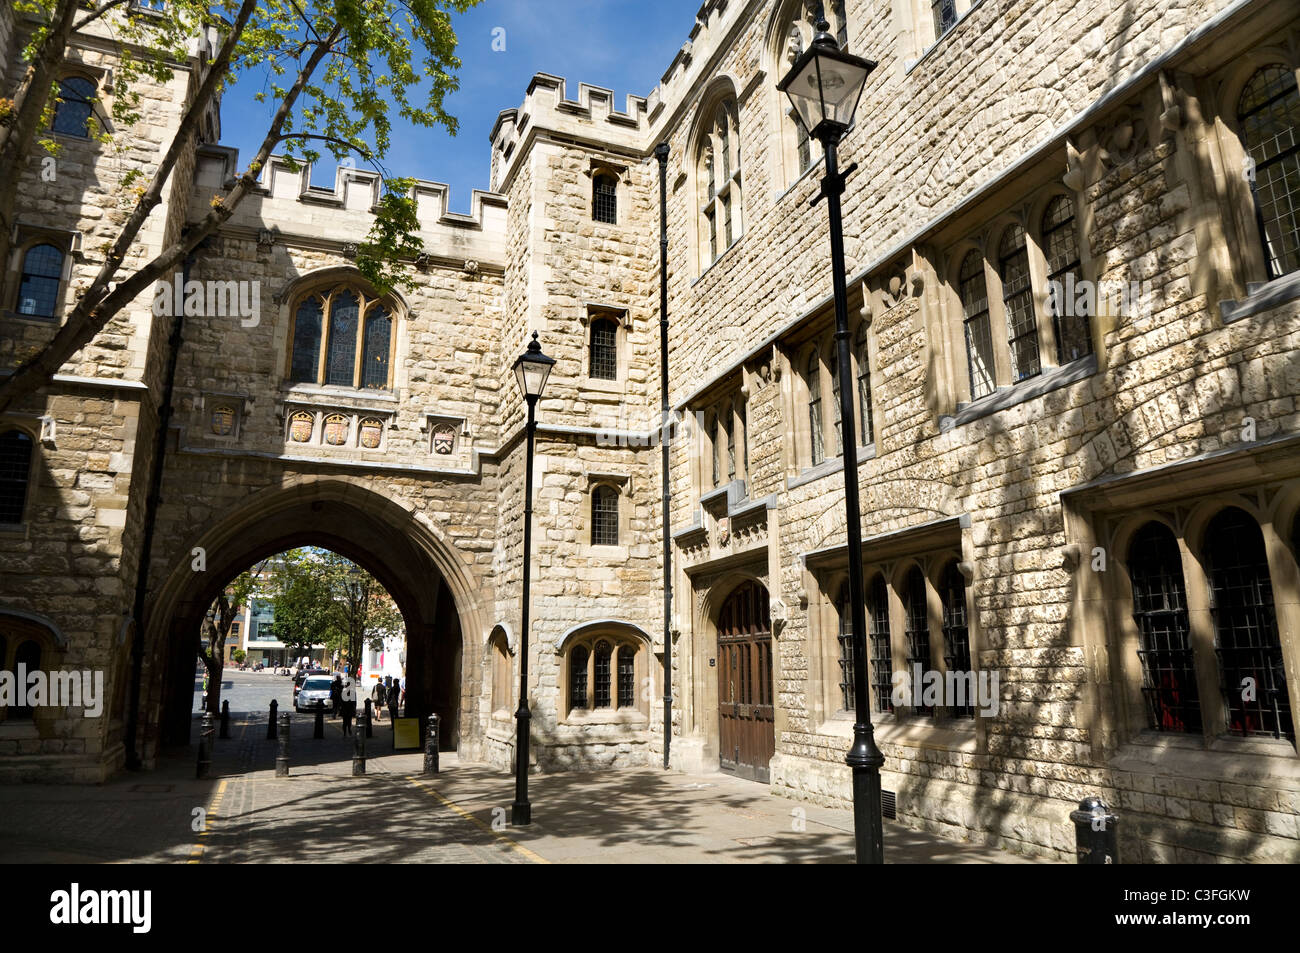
(419, 570)
(746, 730)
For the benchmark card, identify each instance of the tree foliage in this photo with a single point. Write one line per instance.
(217, 623)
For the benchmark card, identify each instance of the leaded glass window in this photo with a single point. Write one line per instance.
(944, 13)
(1246, 630)
(844, 638)
(38, 288)
(374, 366)
(882, 661)
(864, 387)
(956, 635)
(917, 632)
(1061, 245)
(73, 108)
(837, 423)
(975, 315)
(604, 516)
(578, 677)
(604, 349)
(340, 364)
(601, 676)
(813, 379)
(626, 676)
(1268, 116)
(604, 199)
(15, 474)
(1160, 611)
(306, 341)
(1018, 302)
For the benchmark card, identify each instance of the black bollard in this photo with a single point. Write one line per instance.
(205, 746)
(1094, 832)
(368, 734)
(282, 759)
(270, 725)
(359, 747)
(225, 719)
(319, 731)
(431, 747)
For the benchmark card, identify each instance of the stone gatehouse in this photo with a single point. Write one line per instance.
(1088, 497)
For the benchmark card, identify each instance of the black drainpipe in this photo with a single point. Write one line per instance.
(661, 153)
(133, 762)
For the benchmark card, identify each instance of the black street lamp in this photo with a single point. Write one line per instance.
(824, 86)
(531, 370)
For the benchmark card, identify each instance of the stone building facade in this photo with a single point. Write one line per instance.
(1088, 499)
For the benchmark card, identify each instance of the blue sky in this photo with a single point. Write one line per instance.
(624, 45)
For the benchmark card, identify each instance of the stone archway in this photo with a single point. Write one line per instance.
(427, 578)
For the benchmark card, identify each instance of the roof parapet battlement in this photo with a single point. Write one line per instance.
(324, 211)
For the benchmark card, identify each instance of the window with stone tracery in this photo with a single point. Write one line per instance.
(604, 671)
(720, 184)
(798, 151)
(342, 337)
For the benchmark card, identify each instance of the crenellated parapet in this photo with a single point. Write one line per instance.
(287, 203)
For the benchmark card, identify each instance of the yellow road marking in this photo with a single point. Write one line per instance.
(477, 822)
(196, 853)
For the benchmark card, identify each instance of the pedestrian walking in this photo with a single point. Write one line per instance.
(336, 696)
(394, 699)
(377, 701)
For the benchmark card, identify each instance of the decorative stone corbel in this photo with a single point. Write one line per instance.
(865, 311)
(1171, 114)
(1073, 178)
(1070, 557)
(49, 430)
(802, 596)
(967, 570)
(779, 613)
(422, 262)
(350, 249)
(471, 267)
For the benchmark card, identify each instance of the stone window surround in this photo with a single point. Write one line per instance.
(1028, 215)
(1235, 196)
(20, 628)
(431, 422)
(637, 716)
(720, 99)
(102, 78)
(621, 175)
(800, 468)
(1107, 513)
(33, 427)
(327, 287)
(931, 546)
(67, 242)
(591, 310)
(706, 412)
(621, 483)
(500, 674)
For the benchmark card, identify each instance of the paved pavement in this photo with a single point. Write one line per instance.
(321, 813)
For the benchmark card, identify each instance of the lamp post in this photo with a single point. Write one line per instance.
(824, 86)
(531, 370)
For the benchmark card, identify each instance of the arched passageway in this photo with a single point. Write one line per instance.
(423, 574)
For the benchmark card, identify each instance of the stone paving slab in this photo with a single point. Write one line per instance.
(321, 814)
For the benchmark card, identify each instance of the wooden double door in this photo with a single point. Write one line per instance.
(746, 733)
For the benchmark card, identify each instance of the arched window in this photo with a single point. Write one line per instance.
(626, 676)
(1160, 611)
(600, 691)
(604, 349)
(813, 378)
(917, 632)
(374, 360)
(73, 107)
(38, 288)
(342, 338)
(578, 659)
(882, 660)
(797, 150)
(944, 14)
(604, 516)
(844, 638)
(864, 386)
(603, 674)
(1018, 301)
(956, 634)
(604, 198)
(1245, 623)
(28, 655)
(837, 424)
(1268, 117)
(975, 320)
(500, 653)
(720, 184)
(1061, 246)
(15, 472)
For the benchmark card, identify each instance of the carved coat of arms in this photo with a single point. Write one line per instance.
(223, 420)
(444, 439)
(372, 432)
(724, 531)
(300, 428)
(336, 430)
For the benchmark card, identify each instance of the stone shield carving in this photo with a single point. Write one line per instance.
(300, 428)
